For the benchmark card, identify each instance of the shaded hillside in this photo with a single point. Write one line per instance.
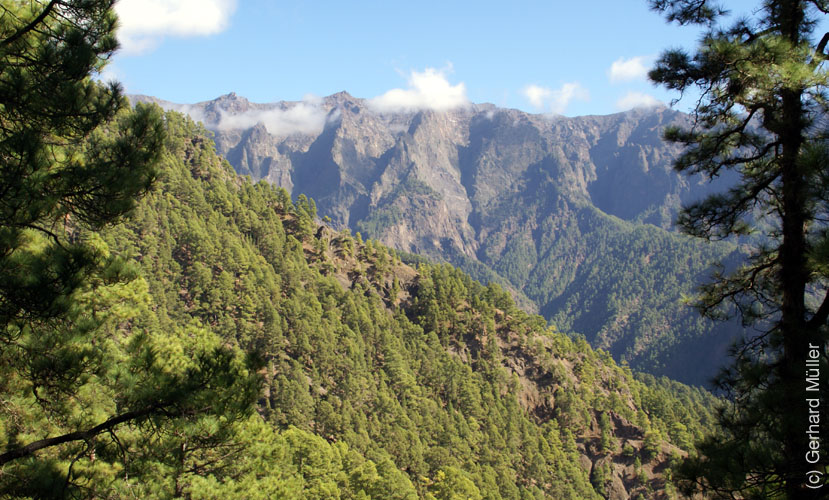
(384, 368)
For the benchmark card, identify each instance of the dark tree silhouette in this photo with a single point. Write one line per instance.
(762, 113)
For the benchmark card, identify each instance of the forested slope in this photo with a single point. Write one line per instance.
(381, 380)
(572, 215)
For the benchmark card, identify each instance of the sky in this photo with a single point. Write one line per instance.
(556, 56)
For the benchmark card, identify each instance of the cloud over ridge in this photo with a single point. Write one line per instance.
(301, 118)
(633, 100)
(426, 90)
(304, 117)
(555, 100)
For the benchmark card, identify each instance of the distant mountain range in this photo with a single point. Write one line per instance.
(573, 215)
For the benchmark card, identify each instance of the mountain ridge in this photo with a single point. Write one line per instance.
(526, 200)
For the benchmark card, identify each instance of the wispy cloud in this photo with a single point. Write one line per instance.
(625, 70)
(555, 100)
(305, 117)
(537, 95)
(144, 23)
(302, 118)
(638, 100)
(429, 89)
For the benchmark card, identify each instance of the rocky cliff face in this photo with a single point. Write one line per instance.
(572, 214)
(351, 158)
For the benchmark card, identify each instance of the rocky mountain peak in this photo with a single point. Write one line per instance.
(341, 97)
(232, 103)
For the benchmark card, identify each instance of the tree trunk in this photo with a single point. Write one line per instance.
(793, 279)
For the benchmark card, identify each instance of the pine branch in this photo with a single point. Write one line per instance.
(820, 50)
(821, 316)
(31, 448)
(29, 27)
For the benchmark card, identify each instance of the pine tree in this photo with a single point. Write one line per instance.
(87, 377)
(61, 169)
(761, 114)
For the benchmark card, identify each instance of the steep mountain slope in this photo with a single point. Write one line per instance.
(385, 381)
(570, 214)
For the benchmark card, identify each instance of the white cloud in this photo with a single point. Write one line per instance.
(638, 100)
(302, 118)
(306, 117)
(427, 90)
(625, 70)
(537, 95)
(555, 100)
(143, 23)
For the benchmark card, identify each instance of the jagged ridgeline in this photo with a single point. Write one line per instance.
(382, 380)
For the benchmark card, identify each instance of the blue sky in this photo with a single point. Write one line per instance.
(567, 57)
